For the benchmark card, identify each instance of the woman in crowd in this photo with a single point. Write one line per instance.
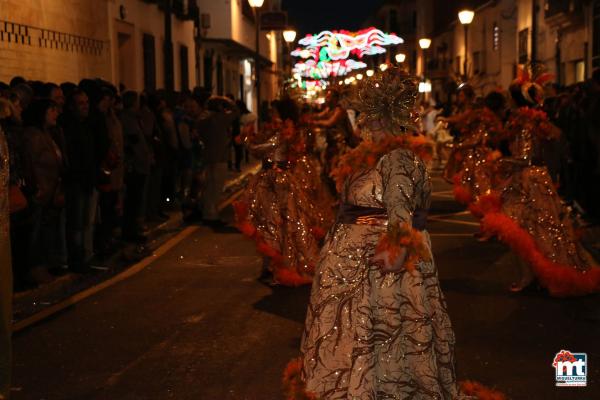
(377, 325)
(276, 210)
(44, 174)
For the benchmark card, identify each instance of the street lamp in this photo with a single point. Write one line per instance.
(256, 5)
(466, 17)
(370, 73)
(400, 58)
(424, 44)
(289, 35)
(383, 67)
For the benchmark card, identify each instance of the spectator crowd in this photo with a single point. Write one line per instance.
(91, 165)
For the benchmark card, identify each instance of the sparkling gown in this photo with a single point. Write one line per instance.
(370, 335)
(535, 223)
(277, 212)
(475, 175)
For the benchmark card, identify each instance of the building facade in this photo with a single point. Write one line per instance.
(140, 44)
(399, 17)
(228, 46)
(563, 35)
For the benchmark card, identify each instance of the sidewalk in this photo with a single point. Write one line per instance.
(31, 302)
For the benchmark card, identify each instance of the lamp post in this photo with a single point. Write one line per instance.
(424, 44)
(256, 5)
(289, 35)
(466, 17)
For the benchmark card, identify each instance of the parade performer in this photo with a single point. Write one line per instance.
(528, 214)
(377, 325)
(339, 132)
(475, 154)
(465, 104)
(276, 210)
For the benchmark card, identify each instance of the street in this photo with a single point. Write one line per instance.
(195, 324)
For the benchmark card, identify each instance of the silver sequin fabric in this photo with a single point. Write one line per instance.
(370, 335)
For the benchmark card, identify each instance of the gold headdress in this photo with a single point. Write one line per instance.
(387, 100)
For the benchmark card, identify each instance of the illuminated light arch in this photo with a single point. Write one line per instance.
(312, 69)
(339, 45)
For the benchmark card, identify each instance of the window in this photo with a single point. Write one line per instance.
(596, 36)
(478, 62)
(523, 46)
(580, 71)
(149, 56)
(184, 68)
(219, 76)
(496, 37)
(393, 23)
(208, 70)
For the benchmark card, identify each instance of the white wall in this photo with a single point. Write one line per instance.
(84, 18)
(147, 18)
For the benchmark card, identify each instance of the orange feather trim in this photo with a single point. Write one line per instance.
(487, 203)
(472, 388)
(284, 274)
(560, 280)
(462, 194)
(294, 388)
(317, 232)
(404, 237)
(368, 153)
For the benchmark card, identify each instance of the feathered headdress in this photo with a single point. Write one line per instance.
(531, 79)
(387, 100)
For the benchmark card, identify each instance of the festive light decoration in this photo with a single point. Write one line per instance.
(323, 70)
(338, 45)
(331, 54)
(383, 67)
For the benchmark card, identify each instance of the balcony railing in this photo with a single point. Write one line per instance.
(563, 12)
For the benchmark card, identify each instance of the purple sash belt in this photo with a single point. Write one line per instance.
(359, 215)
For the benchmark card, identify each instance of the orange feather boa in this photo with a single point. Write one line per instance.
(294, 388)
(367, 154)
(284, 274)
(404, 237)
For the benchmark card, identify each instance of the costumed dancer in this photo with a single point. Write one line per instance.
(377, 325)
(308, 171)
(481, 129)
(465, 97)
(339, 133)
(529, 215)
(275, 210)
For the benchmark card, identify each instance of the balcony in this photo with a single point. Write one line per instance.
(563, 13)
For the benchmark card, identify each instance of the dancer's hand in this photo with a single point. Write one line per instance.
(382, 260)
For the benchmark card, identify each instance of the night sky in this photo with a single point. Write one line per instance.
(313, 16)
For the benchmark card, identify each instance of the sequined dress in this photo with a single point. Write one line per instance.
(539, 228)
(370, 335)
(276, 211)
(475, 173)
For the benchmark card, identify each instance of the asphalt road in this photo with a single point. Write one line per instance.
(196, 325)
